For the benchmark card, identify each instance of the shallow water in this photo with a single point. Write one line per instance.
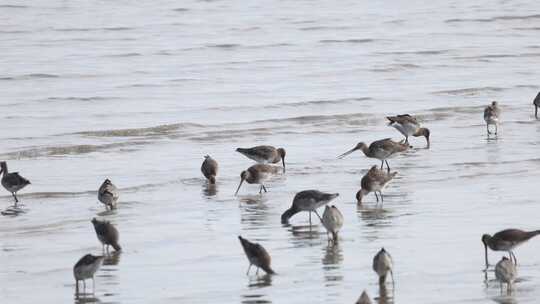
(140, 92)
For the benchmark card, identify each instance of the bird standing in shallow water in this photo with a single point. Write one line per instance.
(108, 194)
(264, 154)
(13, 182)
(308, 200)
(507, 240)
(85, 268)
(107, 234)
(209, 169)
(382, 265)
(380, 149)
(332, 220)
(375, 180)
(492, 115)
(256, 255)
(257, 174)
(408, 126)
(505, 272)
(536, 103)
(364, 298)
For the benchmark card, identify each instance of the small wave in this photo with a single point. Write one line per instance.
(223, 45)
(317, 102)
(118, 28)
(421, 52)
(66, 150)
(396, 67)
(268, 45)
(137, 132)
(123, 55)
(499, 18)
(40, 75)
(469, 91)
(367, 40)
(76, 98)
(316, 28)
(13, 32)
(12, 6)
(180, 9)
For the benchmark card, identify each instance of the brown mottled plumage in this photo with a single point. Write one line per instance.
(264, 154)
(492, 115)
(209, 169)
(408, 126)
(382, 265)
(257, 174)
(505, 272)
(375, 180)
(85, 268)
(308, 200)
(507, 240)
(380, 149)
(257, 255)
(107, 234)
(13, 182)
(108, 194)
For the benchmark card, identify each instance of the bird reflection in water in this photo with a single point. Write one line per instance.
(82, 298)
(112, 258)
(333, 256)
(304, 232)
(374, 216)
(505, 300)
(254, 212)
(209, 189)
(385, 296)
(256, 282)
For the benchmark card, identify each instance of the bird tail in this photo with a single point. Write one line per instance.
(116, 246)
(288, 214)
(268, 270)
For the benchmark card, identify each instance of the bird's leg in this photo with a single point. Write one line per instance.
(382, 164)
(93, 286)
(320, 218)
(248, 269)
(496, 128)
(512, 255)
(387, 166)
(382, 198)
(392, 275)
(77, 287)
(407, 140)
(84, 285)
(15, 197)
(376, 196)
(536, 112)
(257, 272)
(260, 189)
(264, 188)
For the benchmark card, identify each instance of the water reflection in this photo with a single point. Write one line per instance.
(209, 190)
(254, 212)
(254, 299)
(304, 232)
(374, 216)
(112, 259)
(14, 211)
(333, 255)
(257, 281)
(385, 297)
(81, 297)
(505, 300)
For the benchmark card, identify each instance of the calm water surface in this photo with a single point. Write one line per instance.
(139, 91)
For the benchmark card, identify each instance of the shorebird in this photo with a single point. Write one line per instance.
(308, 200)
(332, 220)
(364, 299)
(108, 194)
(264, 154)
(256, 255)
(492, 114)
(85, 268)
(536, 103)
(380, 149)
(209, 169)
(107, 234)
(505, 272)
(408, 126)
(13, 182)
(507, 240)
(382, 265)
(257, 174)
(375, 180)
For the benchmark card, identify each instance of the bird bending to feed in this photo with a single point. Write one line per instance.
(536, 103)
(108, 194)
(364, 298)
(107, 234)
(13, 182)
(257, 174)
(209, 169)
(505, 272)
(332, 220)
(382, 265)
(85, 268)
(256, 255)
(264, 154)
(308, 200)
(381, 149)
(507, 240)
(492, 114)
(408, 126)
(375, 180)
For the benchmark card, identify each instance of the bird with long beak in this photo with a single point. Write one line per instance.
(256, 255)
(382, 265)
(536, 103)
(381, 149)
(257, 174)
(85, 268)
(308, 200)
(13, 182)
(107, 234)
(492, 115)
(264, 154)
(209, 169)
(375, 180)
(332, 220)
(408, 126)
(506, 272)
(506, 240)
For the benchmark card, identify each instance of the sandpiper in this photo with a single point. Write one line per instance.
(85, 268)
(507, 240)
(13, 182)
(256, 255)
(382, 265)
(408, 125)
(308, 200)
(108, 194)
(364, 299)
(107, 234)
(380, 149)
(375, 180)
(264, 154)
(505, 272)
(209, 169)
(536, 103)
(492, 114)
(332, 220)
(257, 174)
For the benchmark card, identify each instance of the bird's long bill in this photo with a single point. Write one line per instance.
(283, 161)
(347, 153)
(486, 255)
(240, 185)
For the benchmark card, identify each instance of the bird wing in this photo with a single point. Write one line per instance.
(402, 119)
(14, 179)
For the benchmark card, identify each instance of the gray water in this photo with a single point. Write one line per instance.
(140, 92)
